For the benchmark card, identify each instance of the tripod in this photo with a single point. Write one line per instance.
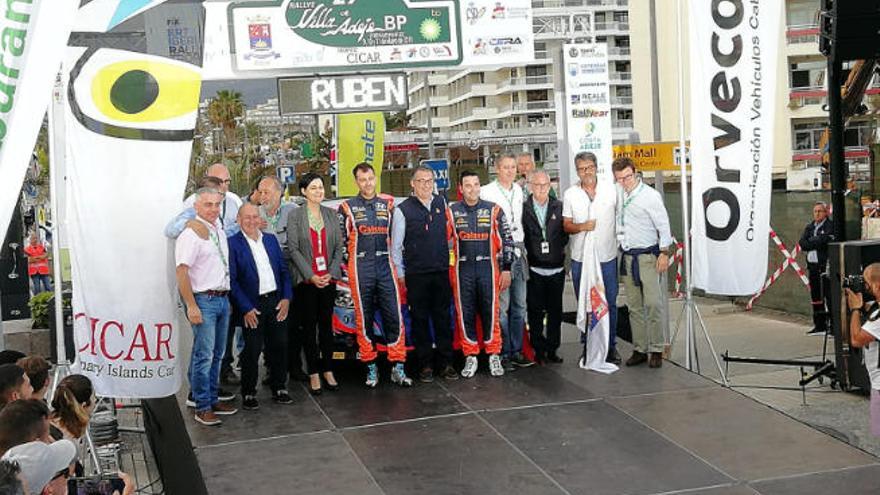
(688, 310)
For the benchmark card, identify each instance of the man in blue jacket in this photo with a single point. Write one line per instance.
(261, 292)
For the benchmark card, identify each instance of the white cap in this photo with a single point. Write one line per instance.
(40, 461)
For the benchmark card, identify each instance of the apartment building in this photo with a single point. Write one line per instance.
(801, 92)
(513, 108)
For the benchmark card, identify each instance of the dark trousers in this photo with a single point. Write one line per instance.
(817, 296)
(544, 298)
(229, 356)
(315, 309)
(429, 297)
(294, 341)
(270, 330)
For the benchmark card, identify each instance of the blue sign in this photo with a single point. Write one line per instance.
(286, 174)
(441, 172)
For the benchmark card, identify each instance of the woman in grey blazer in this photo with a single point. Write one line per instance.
(315, 245)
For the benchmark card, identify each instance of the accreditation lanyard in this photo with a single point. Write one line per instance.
(628, 201)
(509, 197)
(541, 213)
(212, 233)
(316, 224)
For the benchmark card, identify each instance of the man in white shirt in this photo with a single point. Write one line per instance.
(867, 335)
(645, 239)
(592, 207)
(203, 281)
(504, 192)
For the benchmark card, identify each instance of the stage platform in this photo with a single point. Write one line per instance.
(551, 429)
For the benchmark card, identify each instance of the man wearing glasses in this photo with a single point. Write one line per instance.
(645, 238)
(589, 206)
(420, 249)
(228, 209)
(545, 241)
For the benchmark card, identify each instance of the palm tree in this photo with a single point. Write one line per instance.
(223, 110)
(398, 121)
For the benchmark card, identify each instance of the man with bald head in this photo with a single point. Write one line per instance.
(866, 335)
(261, 294)
(228, 208)
(814, 242)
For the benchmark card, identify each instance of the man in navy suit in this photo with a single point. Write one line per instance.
(261, 292)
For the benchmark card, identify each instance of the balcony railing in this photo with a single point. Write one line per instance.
(622, 123)
(612, 26)
(621, 100)
(527, 106)
(538, 4)
(527, 80)
(620, 76)
(806, 33)
(618, 50)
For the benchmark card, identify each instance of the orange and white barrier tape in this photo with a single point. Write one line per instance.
(790, 260)
(678, 258)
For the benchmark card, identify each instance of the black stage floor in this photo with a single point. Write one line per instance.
(553, 429)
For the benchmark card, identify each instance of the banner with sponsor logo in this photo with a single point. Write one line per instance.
(360, 137)
(130, 119)
(588, 104)
(256, 39)
(34, 35)
(733, 66)
(651, 157)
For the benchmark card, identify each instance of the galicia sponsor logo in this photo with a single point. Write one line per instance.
(474, 14)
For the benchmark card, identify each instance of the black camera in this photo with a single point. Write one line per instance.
(855, 283)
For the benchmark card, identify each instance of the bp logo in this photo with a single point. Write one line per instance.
(430, 29)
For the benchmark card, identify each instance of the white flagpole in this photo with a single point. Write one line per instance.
(55, 182)
(685, 212)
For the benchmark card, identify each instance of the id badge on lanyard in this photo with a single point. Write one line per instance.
(545, 247)
(320, 261)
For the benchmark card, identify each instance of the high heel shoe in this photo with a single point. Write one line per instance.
(332, 387)
(315, 391)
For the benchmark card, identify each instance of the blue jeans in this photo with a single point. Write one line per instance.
(41, 283)
(612, 287)
(209, 344)
(513, 310)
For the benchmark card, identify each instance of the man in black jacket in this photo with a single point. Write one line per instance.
(545, 241)
(814, 243)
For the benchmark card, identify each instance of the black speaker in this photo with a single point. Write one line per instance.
(14, 281)
(848, 258)
(850, 29)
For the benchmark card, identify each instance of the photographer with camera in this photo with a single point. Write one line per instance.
(866, 335)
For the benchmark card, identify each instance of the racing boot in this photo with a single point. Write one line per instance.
(372, 375)
(398, 376)
(495, 368)
(470, 367)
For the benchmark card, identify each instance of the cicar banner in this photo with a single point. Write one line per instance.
(588, 104)
(360, 137)
(733, 61)
(130, 120)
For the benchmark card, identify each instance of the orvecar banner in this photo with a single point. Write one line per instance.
(130, 120)
(588, 104)
(733, 57)
(360, 137)
(34, 35)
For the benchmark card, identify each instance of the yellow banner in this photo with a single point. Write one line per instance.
(650, 156)
(360, 137)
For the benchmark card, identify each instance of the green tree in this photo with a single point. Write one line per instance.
(222, 112)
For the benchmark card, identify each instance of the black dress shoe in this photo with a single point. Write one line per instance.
(656, 360)
(552, 357)
(637, 358)
(613, 357)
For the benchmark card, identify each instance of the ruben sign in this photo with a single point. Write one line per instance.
(342, 94)
(733, 77)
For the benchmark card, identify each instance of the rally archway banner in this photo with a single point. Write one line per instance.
(733, 57)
